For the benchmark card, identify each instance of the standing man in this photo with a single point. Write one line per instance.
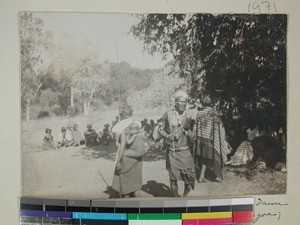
(175, 131)
(211, 147)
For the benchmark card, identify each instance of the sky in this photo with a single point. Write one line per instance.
(107, 31)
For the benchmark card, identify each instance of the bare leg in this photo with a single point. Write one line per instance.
(186, 190)
(174, 188)
(202, 174)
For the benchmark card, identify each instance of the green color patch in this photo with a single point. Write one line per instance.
(154, 216)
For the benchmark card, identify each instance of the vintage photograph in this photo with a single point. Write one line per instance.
(118, 105)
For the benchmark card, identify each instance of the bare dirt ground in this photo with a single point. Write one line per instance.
(86, 173)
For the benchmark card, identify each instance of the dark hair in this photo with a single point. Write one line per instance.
(151, 122)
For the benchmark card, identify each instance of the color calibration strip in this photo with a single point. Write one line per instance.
(136, 212)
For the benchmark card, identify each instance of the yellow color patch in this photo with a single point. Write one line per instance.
(208, 215)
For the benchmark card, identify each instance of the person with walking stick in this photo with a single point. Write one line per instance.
(175, 130)
(127, 180)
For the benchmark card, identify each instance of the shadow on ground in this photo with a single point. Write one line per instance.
(248, 171)
(152, 188)
(241, 171)
(100, 151)
(156, 189)
(111, 192)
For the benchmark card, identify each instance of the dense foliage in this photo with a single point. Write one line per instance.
(239, 60)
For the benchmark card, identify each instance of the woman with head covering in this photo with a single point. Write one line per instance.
(175, 131)
(127, 178)
(211, 147)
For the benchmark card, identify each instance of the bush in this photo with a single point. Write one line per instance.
(57, 110)
(42, 114)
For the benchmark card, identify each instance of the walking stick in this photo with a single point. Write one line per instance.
(103, 179)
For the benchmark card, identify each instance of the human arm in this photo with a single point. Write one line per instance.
(130, 138)
(164, 128)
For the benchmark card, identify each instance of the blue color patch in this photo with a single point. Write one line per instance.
(49, 214)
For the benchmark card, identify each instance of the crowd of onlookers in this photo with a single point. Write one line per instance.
(71, 136)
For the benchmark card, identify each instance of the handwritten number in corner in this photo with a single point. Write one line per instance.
(262, 7)
(275, 7)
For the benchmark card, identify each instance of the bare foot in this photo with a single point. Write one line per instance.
(218, 179)
(202, 180)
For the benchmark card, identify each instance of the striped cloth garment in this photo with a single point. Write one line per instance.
(210, 129)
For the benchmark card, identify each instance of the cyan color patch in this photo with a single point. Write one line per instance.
(100, 216)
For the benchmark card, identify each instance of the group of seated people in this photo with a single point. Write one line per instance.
(71, 136)
(103, 137)
(244, 151)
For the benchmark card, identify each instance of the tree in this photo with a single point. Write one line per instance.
(124, 80)
(160, 92)
(75, 66)
(240, 60)
(90, 75)
(34, 44)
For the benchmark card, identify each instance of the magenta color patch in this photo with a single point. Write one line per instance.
(208, 221)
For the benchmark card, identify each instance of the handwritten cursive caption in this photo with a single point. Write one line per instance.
(264, 215)
(262, 7)
(276, 215)
(261, 202)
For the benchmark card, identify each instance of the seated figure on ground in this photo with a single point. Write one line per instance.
(64, 138)
(244, 152)
(90, 136)
(48, 142)
(77, 138)
(105, 136)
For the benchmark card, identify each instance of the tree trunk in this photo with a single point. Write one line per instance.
(27, 110)
(86, 108)
(88, 103)
(72, 97)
